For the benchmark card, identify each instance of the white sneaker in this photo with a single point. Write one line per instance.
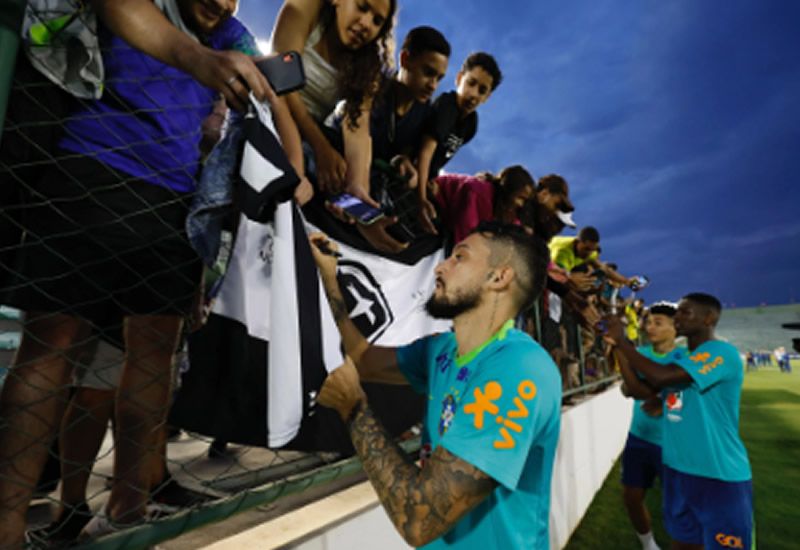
(102, 524)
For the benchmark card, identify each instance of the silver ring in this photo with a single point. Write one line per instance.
(231, 80)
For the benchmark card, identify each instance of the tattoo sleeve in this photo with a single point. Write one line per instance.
(423, 504)
(338, 309)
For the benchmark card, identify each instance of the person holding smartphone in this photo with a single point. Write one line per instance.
(344, 45)
(491, 425)
(570, 252)
(707, 478)
(109, 230)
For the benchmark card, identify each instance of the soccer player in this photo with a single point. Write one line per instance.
(707, 481)
(492, 421)
(641, 459)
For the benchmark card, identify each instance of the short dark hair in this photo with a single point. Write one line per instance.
(706, 300)
(553, 183)
(663, 308)
(485, 62)
(425, 39)
(529, 257)
(589, 234)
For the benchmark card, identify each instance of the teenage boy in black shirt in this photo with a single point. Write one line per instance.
(401, 111)
(453, 123)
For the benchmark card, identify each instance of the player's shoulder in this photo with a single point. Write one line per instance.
(715, 353)
(525, 355)
(712, 348)
(678, 354)
(437, 340)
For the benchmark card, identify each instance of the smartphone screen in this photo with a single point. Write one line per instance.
(357, 208)
(284, 72)
(642, 281)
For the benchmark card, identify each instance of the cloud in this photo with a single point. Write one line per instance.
(676, 124)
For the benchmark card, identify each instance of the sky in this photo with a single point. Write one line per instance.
(677, 125)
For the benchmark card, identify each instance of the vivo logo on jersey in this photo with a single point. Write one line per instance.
(708, 367)
(364, 299)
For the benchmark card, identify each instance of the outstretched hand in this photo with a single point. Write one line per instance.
(427, 213)
(612, 329)
(231, 73)
(379, 238)
(331, 170)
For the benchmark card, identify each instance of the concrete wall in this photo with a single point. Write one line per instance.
(592, 436)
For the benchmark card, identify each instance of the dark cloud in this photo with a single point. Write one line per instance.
(676, 123)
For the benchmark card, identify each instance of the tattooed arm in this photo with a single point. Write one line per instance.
(374, 363)
(423, 504)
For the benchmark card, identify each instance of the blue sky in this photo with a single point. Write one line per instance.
(676, 123)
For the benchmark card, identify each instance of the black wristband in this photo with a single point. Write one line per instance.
(353, 413)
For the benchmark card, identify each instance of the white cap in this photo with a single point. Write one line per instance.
(566, 218)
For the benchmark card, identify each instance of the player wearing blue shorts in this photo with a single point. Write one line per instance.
(494, 395)
(641, 459)
(707, 483)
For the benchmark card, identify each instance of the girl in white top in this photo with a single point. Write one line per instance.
(345, 44)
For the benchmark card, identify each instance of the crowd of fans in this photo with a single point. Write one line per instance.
(96, 190)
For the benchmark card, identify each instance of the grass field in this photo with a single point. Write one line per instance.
(770, 427)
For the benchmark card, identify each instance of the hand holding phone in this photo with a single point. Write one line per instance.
(284, 72)
(639, 282)
(364, 213)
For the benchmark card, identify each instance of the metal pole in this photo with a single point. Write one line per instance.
(11, 12)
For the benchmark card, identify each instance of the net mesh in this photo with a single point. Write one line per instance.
(93, 251)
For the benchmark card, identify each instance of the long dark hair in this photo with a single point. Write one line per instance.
(359, 77)
(507, 184)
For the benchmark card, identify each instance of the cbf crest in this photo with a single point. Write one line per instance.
(449, 406)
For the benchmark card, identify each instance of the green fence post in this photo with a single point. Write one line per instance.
(11, 12)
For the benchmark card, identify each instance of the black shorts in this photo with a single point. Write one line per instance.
(32, 127)
(97, 240)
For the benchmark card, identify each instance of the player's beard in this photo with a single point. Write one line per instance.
(444, 308)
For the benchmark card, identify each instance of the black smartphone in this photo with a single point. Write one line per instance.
(284, 72)
(363, 212)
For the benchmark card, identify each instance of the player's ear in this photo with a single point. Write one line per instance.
(501, 277)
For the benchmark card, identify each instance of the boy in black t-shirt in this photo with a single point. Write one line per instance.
(397, 119)
(399, 114)
(453, 122)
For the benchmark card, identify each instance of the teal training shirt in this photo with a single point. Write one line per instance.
(498, 408)
(701, 420)
(643, 425)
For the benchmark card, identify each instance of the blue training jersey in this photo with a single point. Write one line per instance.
(148, 122)
(643, 425)
(498, 408)
(701, 420)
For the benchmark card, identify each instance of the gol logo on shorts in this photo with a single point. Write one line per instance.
(484, 403)
(729, 541)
